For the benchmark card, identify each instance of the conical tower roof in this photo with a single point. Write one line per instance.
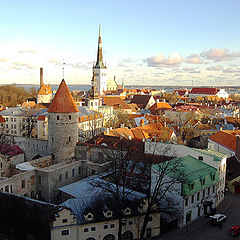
(63, 101)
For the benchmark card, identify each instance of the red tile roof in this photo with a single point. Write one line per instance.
(2, 119)
(226, 138)
(41, 118)
(209, 91)
(63, 101)
(116, 102)
(10, 150)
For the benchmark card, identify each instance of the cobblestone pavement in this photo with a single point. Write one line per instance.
(201, 229)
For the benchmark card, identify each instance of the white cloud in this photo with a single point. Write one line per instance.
(33, 51)
(193, 59)
(215, 68)
(159, 60)
(219, 55)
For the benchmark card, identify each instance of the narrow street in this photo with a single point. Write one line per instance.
(201, 229)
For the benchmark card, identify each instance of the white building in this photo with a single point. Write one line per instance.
(100, 69)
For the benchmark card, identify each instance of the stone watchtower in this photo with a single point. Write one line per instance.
(62, 124)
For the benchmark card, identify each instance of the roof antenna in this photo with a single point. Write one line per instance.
(63, 68)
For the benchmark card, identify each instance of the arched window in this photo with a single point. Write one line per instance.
(109, 237)
(90, 238)
(128, 235)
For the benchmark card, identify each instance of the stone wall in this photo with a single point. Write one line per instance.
(32, 147)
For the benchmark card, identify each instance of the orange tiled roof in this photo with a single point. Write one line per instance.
(41, 118)
(226, 138)
(116, 102)
(2, 119)
(44, 89)
(30, 104)
(63, 101)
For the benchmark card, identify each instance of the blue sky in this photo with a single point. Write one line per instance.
(144, 42)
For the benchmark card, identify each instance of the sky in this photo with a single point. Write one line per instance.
(145, 42)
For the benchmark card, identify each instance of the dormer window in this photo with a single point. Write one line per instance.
(108, 214)
(203, 181)
(89, 217)
(127, 211)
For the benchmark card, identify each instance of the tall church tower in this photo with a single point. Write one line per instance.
(99, 69)
(93, 101)
(62, 124)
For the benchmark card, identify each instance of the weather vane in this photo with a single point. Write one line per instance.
(63, 68)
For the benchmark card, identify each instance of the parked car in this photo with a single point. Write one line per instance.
(235, 230)
(217, 219)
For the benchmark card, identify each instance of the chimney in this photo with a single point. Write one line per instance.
(238, 147)
(41, 77)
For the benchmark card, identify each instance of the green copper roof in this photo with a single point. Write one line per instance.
(210, 152)
(193, 172)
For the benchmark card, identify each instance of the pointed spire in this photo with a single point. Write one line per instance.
(99, 63)
(63, 101)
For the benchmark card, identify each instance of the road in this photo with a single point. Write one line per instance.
(201, 229)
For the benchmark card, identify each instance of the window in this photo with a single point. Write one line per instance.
(32, 194)
(79, 170)
(213, 189)
(64, 220)
(186, 202)
(112, 225)
(6, 189)
(65, 232)
(192, 198)
(191, 186)
(203, 193)
(93, 172)
(11, 189)
(85, 229)
(188, 216)
(23, 183)
(32, 180)
(57, 117)
(0, 164)
(209, 191)
(149, 232)
(60, 177)
(73, 172)
(130, 222)
(200, 158)
(70, 117)
(93, 229)
(39, 179)
(150, 218)
(213, 177)
(198, 196)
(203, 181)
(105, 226)
(66, 175)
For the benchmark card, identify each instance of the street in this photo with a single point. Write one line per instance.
(201, 229)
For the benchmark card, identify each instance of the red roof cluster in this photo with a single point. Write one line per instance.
(2, 119)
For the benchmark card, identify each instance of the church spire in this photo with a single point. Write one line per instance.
(99, 63)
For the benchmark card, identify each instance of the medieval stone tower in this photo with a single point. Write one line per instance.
(62, 124)
(99, 69)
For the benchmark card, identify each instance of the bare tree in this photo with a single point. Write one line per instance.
(116, 180)
(31, 122)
